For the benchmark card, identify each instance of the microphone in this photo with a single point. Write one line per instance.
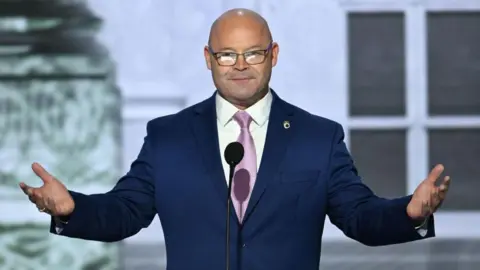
(233, 155)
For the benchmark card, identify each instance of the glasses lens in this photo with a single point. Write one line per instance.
(254, 59)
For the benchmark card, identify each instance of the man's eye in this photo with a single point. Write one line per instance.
(255, 53)
(226, 55)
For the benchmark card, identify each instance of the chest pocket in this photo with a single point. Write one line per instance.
(304, 176)
(292, 184)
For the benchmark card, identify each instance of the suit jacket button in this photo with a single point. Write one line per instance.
(244, 245)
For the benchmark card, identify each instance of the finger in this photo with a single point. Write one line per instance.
(437, 203)
(32, 199)
(50, 205)
(426, 208)
(445, 184)
(40, 206)
(435, 173)
(44, 207)
(47, 203)
(42, 173)
(441, 197)
(446, 181)
(437, 199)
(443, 188)
(28, 190)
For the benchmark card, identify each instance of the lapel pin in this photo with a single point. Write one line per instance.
(286, 124)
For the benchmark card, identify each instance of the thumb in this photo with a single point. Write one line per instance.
(435, 173)
(28, 190)
(42, 173)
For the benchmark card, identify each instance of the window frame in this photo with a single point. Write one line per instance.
(448, 225)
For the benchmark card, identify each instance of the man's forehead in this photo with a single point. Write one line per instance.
(241, 37)
(239, 46)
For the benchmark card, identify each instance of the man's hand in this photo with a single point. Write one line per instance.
(53, 197)
(428, 197)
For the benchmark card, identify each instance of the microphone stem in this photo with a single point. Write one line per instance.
(229, 200)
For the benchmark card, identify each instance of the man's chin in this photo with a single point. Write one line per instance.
(245, 99)
(244, 94)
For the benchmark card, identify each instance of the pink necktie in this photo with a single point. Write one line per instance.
(246, 171)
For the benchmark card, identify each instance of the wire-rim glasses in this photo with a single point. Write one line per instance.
(254, 57)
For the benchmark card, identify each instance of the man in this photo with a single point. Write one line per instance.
(296, 170)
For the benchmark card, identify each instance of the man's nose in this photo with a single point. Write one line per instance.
(241, 64)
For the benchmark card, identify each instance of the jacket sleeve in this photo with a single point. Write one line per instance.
(358, 212)
(119, 213)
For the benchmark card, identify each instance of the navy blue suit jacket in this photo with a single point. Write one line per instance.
(306, 174)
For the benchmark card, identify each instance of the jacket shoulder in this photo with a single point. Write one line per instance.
(175, 120)
(313, 120)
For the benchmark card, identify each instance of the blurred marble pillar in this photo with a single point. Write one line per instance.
(59, 105)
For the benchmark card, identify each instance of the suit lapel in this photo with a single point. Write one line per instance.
(277, 140)
(206, 134)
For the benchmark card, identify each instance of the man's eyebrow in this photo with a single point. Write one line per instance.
(254, 47)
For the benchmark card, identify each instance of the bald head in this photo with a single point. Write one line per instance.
(241, 55)
(233, 18)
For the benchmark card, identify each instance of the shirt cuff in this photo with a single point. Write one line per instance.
(59, 224)
(423, 228)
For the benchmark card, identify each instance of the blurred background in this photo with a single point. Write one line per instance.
(79, 80)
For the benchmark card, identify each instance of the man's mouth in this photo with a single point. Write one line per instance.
(241, 80)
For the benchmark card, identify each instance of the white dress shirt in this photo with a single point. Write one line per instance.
(229, 129)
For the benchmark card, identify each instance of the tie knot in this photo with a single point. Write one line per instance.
(243, 119)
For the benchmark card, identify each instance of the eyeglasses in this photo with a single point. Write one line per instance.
(251, 57)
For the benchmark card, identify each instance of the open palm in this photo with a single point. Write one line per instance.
(52, 197)
(428, 197)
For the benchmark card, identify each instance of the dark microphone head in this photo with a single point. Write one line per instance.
(234, 153)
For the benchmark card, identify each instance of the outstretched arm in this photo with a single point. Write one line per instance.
(359, 213)
(112, 216)
(119, 213)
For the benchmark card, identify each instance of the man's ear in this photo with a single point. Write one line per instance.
(208, 58)
(275, 51)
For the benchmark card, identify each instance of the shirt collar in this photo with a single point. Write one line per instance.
(259, 111)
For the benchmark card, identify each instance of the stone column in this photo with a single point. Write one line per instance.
(59, 106)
